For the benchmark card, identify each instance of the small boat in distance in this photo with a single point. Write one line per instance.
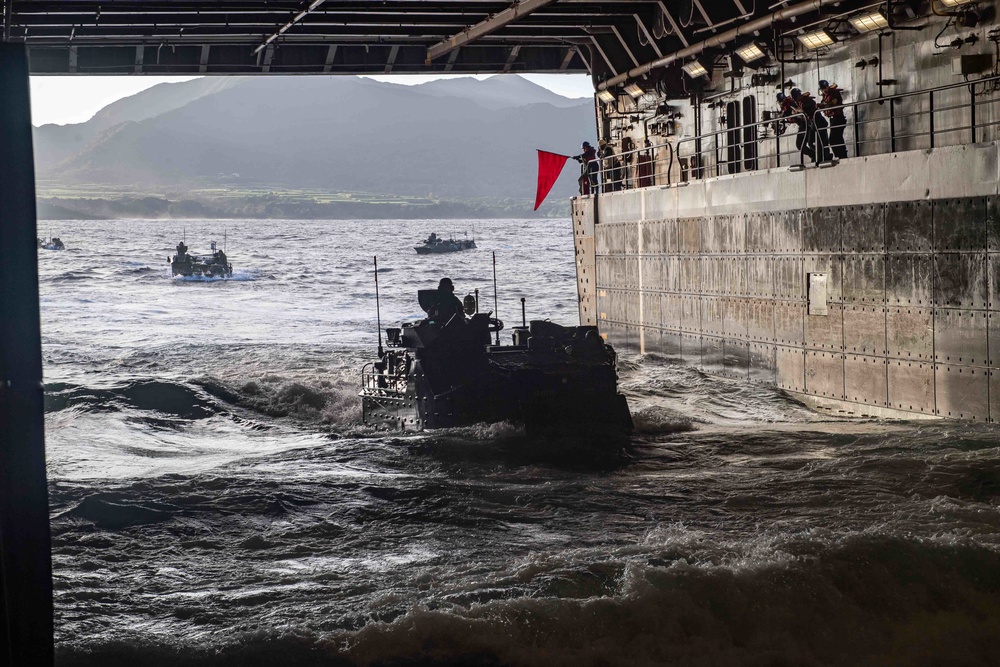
(435, 244)
(209, 266)
(54, 243)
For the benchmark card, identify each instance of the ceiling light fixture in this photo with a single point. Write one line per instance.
(954, 3)
(634, 90)
(750, 52)
(606, 96)
(694, 69)
(816, 40)
(869, 22)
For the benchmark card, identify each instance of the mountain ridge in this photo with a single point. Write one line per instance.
(460, 139)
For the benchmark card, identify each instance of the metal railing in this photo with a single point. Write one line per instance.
(905, 124)
(375, 382)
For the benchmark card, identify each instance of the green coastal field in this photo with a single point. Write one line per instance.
(60, 201)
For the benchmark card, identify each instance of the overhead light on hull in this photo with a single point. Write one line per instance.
(634, 90)
(606, 96)
(750, 53)
(694, 69)
(816, 40)
(869, 22)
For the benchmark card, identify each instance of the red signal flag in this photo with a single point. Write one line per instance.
(550, 165)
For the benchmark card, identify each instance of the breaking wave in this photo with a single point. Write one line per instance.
(169, 398)
(325, 401)
(848, 601)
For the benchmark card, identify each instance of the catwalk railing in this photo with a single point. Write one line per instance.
(960, 113)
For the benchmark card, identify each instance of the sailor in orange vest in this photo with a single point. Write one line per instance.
(832, 97)
(790, 109)
(817, 138)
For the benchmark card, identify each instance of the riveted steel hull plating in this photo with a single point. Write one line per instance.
(869, 301)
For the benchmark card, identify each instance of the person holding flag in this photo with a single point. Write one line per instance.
(588, 170)
(550, 165)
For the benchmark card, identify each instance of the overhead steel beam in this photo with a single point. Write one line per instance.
(673, 23)
(203, 61)
(511, 58)
(625, 45)
(268, 56)
(649, 36)
(331, 53)
(259, 24)
(569, 57)
(391, 60)
(747, 28)
(451, 60)
(611, 65)
(704, 14)
(483, 28)
(285, 28)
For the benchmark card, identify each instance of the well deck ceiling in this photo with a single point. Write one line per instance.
(363, 36)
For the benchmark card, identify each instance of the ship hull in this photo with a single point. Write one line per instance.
(864, 297)
(187, 270)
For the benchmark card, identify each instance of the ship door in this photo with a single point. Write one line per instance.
(750, 133)
(733, 139)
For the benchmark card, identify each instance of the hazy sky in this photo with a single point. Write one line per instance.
(74, 99)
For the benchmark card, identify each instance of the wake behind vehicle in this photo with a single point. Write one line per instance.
(215, 265)
(439, 373)
(434, 244)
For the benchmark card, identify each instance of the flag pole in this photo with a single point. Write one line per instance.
(378, 313)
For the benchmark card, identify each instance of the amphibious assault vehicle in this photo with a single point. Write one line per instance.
(555, 380)
(434, 244)
(54, 243)
(215, 265)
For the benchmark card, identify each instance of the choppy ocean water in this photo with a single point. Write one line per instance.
(216, 501)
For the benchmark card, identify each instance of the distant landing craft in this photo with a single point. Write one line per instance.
(434, 244)
(53, 243)
(209, 266)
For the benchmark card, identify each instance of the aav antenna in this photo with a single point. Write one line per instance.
(496, 308)
(378, 313)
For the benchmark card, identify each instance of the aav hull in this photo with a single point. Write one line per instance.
(435, 245)
(555, 380)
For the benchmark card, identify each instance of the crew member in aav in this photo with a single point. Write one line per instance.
(447, 305)
(833, 107)
(588, 175)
